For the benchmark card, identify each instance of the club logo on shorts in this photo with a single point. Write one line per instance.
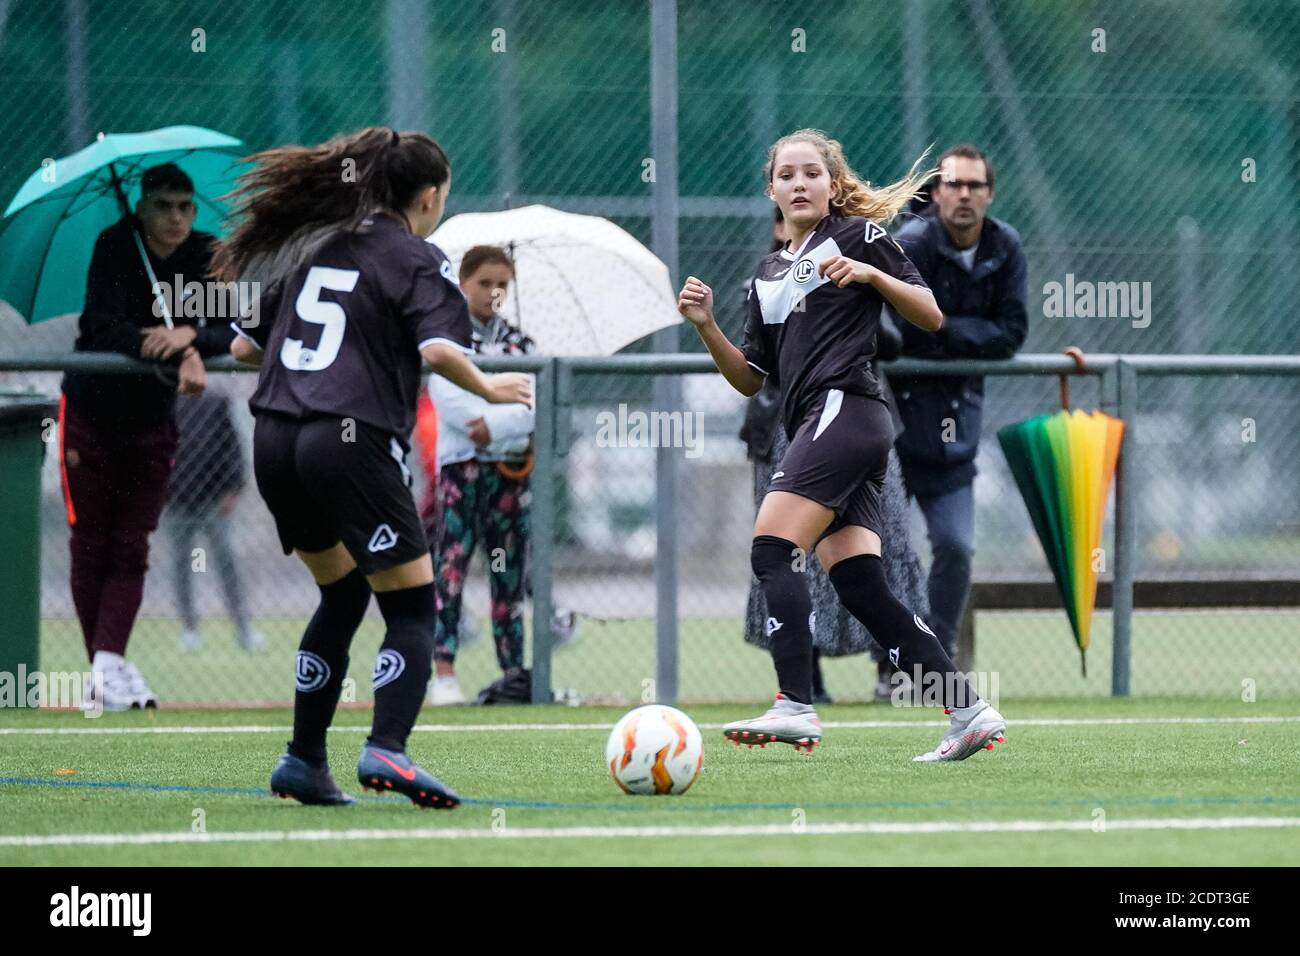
(388, 667)
(922, 625)
(803, 270)
(383, 539)
(773, 625)
(310, 672)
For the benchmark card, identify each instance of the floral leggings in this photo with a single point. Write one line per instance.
(478, 503)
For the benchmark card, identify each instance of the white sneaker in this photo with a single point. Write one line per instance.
(445, 690)
(785, 722)
(144, 697)
(970, 730)
(191, 639)
(108, 686)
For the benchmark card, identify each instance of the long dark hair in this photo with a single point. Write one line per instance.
(294, 191)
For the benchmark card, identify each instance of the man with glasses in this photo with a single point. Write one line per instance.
(976, 268)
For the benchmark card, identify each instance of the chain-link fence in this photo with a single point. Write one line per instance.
(1143, 142)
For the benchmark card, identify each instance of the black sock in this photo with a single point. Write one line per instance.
(322, 663)
(404, 663)
(789, 608)
(860, 583)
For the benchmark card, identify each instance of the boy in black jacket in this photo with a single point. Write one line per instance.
(117, 436)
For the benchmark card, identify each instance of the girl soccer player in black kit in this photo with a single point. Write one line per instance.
(813, 311)
(340, 335)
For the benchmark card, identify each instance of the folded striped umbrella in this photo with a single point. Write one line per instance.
(1063, 465)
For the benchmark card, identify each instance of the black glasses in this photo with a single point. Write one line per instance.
(956, 185)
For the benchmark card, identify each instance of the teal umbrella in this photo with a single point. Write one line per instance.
(48, 232)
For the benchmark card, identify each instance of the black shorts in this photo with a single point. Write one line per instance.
(328, 480)
(838, 457)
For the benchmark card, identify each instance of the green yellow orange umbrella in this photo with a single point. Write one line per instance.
(1063, 465)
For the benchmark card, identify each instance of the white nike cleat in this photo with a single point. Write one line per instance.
(968, 733)
(785, 722)
(445, 691)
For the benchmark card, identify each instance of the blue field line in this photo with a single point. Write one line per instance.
(686, 806)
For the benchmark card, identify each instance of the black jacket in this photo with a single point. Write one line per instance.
(119, 303)
(984, 317)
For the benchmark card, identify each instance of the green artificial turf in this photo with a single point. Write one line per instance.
(519, 778)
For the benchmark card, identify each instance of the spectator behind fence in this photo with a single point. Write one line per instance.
(426, 441)
(117, 435)
(837, 632)
(206, 483)
(976, 268)
(484, 459)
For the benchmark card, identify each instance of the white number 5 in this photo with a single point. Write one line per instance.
(329, 315)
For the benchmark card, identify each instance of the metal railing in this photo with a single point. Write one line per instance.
(557, 391)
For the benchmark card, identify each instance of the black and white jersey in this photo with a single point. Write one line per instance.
(343, 332)
(806, 333)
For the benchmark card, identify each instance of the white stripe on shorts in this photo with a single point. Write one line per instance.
(834, 398)
(395, 450)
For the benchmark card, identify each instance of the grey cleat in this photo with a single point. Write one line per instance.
(785, 722)
(966, 737)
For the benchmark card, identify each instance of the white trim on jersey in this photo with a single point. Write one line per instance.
(778, 297)
(439, 338)
(760, 371)
(244, 335)
(834, 399)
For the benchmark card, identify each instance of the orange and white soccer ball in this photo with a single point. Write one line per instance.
(655, 749)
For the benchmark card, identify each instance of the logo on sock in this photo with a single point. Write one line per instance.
(773, 625)
(310, 672)
(388, 667)
(383, 539)
(922, 625)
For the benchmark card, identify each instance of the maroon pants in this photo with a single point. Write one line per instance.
(114, 486)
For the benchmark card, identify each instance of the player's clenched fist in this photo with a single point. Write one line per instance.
(842, 270)
(696, 302)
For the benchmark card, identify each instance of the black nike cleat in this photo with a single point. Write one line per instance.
(391, 771)
(314, 786)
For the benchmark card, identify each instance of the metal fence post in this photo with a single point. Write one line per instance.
(545, 462)
(667, 388)
(1125, 533)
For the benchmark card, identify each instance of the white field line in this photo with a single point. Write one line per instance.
(606, 833)
(489, 728)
